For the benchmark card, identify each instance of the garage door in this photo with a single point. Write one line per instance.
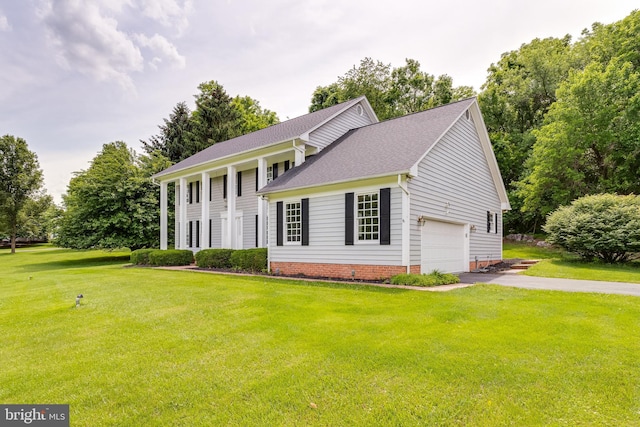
(443, 247)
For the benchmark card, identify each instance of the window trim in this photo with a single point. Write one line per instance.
(357, 217)
(286, 223)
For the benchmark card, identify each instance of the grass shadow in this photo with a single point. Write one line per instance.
(97, 261)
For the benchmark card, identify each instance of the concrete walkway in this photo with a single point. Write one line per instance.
(512, 278)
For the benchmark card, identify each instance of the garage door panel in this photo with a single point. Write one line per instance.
(443, 247)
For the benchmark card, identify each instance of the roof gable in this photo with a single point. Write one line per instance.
(287, 130)
(392, 147)
(381, 149)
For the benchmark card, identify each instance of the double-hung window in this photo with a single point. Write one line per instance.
(368, 217)
(269, 174)
(293, 222)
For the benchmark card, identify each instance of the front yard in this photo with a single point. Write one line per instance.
(557, 263)
(152, 347)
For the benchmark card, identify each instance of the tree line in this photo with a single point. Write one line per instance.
(563, 117)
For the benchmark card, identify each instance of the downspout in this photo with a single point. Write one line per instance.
(408, 220)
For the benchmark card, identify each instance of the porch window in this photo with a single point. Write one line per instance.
(269, 174)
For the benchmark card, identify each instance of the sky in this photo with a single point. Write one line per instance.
(77, 74)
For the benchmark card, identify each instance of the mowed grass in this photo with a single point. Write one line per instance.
(166, 348)
(558, 263)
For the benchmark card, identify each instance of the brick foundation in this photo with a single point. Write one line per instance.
(482, 264)
(340, 271)
(353, 271)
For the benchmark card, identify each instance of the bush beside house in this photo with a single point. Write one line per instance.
(214, 258)
(253, 260)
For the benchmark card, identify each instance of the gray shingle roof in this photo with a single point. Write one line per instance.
(380, 149)
(280, 132)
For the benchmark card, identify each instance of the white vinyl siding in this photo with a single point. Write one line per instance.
(326, 235)
(329, 132)
(454, 184)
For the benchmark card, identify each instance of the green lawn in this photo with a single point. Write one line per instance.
(557, 263)
(166, 348)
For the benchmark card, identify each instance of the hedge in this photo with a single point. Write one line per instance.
(171, 257)
(435, 278)
(141, 256)
(214, 258)
(249, 259)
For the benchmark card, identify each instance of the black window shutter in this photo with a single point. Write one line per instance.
(197, 191)
(305, 222)
(488, 222)
(190, 234)
(210, 232)
(257, 179)
(257, 230)
(279, 225)
(224, 187)
(275, 170)
(385, 216)
(239, 182)
(286, 165)
(190, 192)
(197, 234)
(210, 187)
(496, 223)
(348, 219)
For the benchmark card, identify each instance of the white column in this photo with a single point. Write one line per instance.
(204, 202)
(300, 154)
(262, 204)
(163, 215)
(183, 214)
(176, 217)
(231, 207)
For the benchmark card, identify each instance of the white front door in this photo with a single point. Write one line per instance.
(224, 232)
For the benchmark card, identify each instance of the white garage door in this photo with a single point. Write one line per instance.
(443, 247)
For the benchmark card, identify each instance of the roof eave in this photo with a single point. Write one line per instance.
(230, 156)
(337, 182)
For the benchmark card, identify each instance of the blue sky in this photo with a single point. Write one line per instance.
(77, 74)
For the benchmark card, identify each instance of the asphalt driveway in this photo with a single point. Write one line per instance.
(567, 285)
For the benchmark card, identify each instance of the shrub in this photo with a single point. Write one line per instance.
(214, 258)
(249, 259)
(171, 257)
(603, 226)
(435, 278)
(140, 256)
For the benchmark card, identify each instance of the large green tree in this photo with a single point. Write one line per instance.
(217, 118)
(20, 178)
(173, 133)
(519, 90)
(213, 120)
(591, 140)
(37, 218)
(252, 116)
(392, 92)
(113, 204)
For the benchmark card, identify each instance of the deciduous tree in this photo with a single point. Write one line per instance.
(20, 178)
(113, 204)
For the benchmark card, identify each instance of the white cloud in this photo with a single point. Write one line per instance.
(4, 23)
(160, 45)
(170, 13)
(88, 40)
